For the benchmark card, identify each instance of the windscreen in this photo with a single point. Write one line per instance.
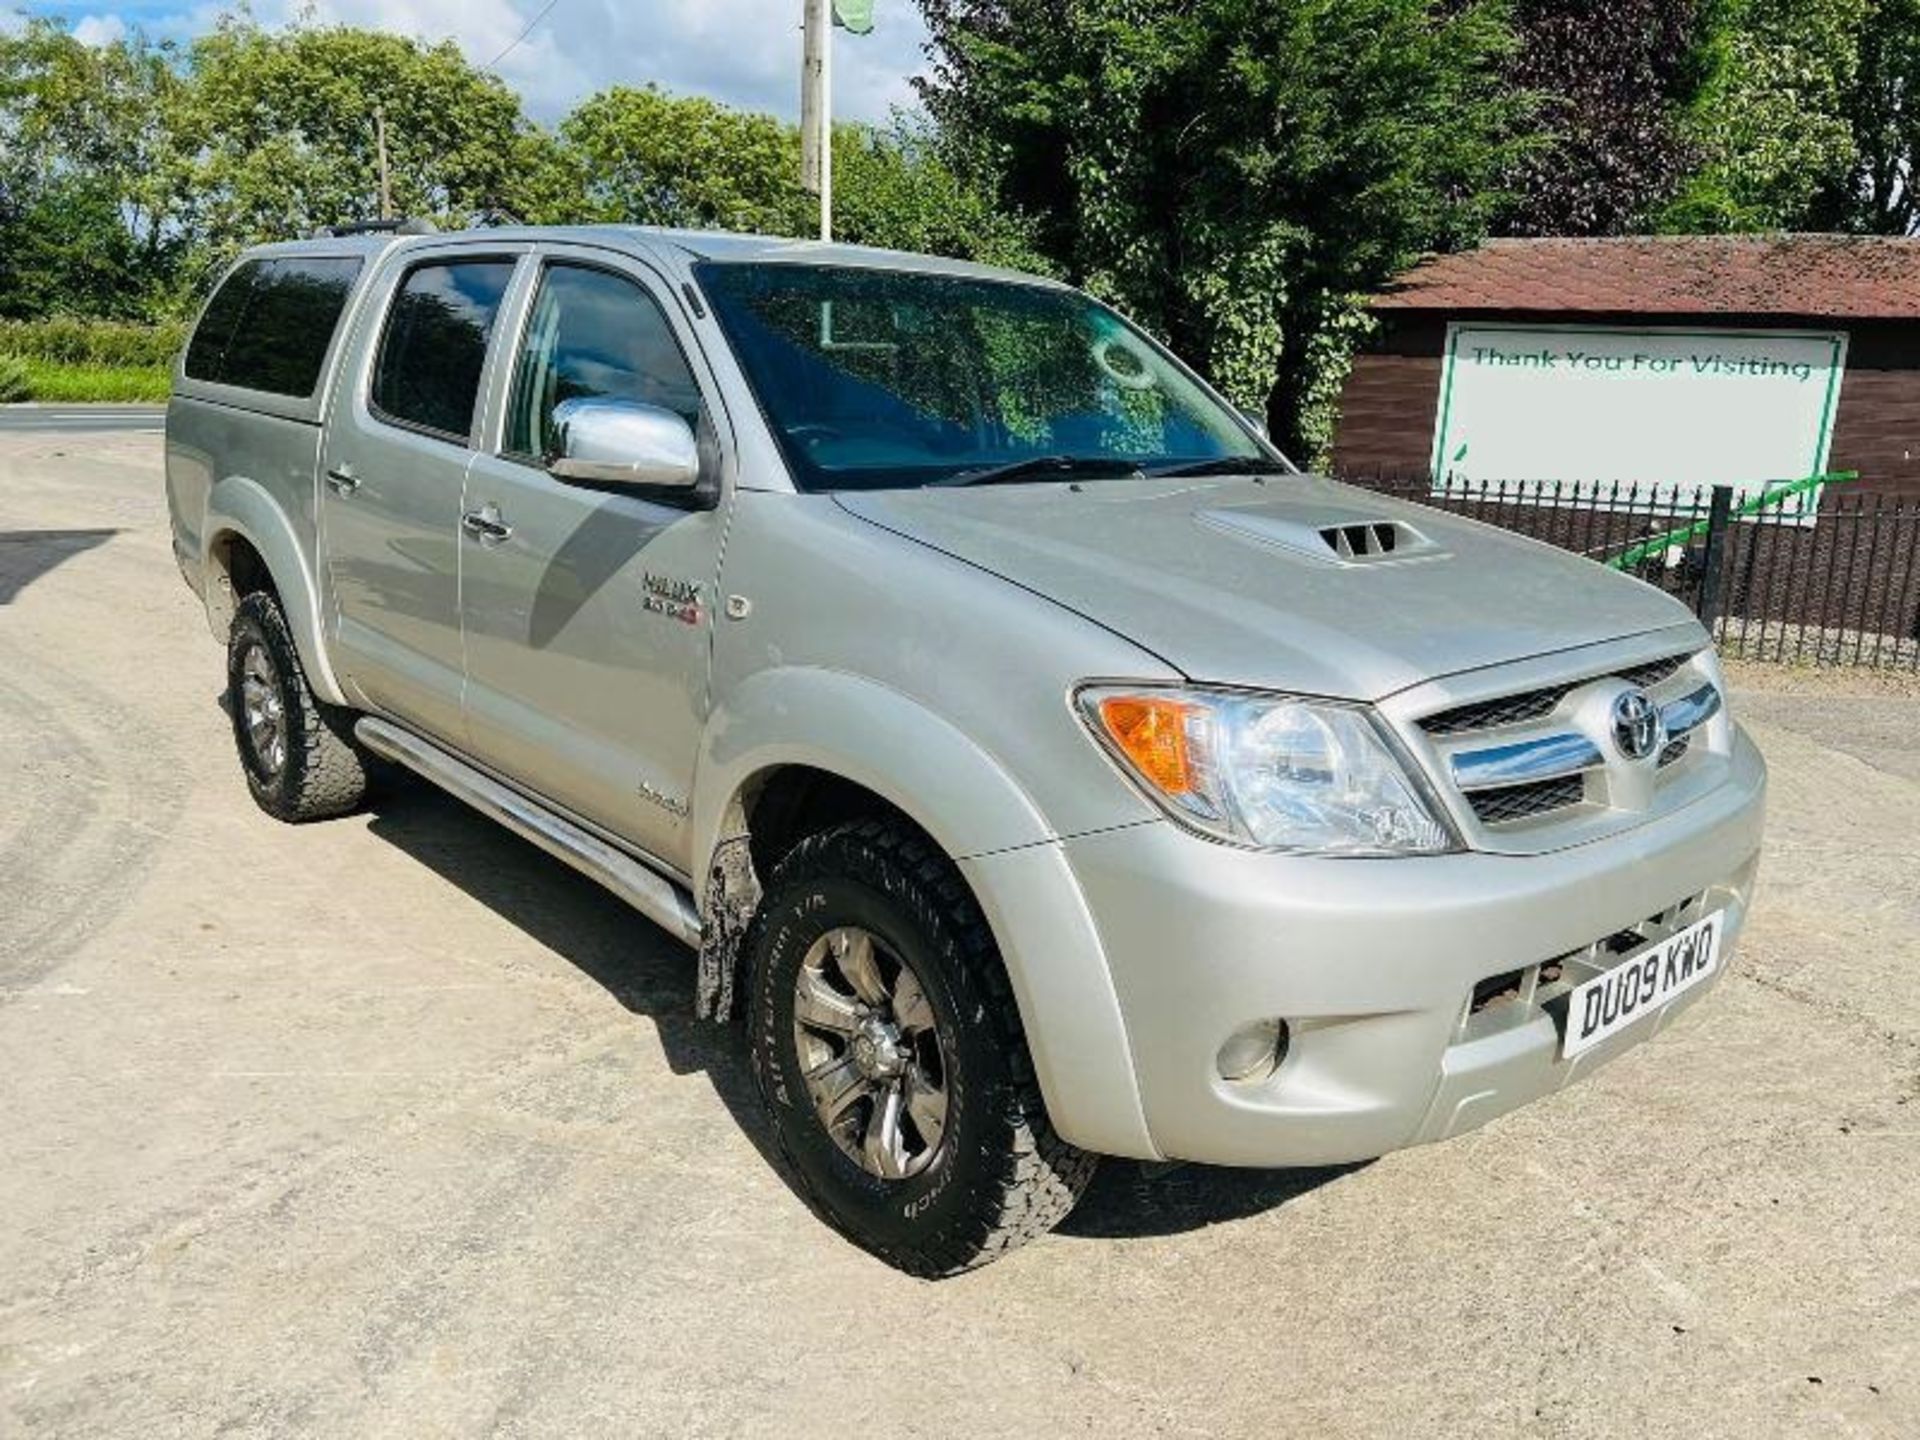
(881, 379)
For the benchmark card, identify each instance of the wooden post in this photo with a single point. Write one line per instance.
(380, 141)
(816, 107)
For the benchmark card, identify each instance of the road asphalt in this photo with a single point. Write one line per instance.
(395, 1127)
(70, 419)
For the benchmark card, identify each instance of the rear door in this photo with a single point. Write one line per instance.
(589, 613)
(393, 463)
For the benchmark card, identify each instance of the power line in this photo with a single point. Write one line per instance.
(544, 11)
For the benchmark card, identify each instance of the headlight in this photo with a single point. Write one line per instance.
(1310, 776)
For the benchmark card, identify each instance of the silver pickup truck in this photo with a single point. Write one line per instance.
(1039, 764)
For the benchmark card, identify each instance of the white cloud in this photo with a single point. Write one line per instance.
(98, 29)
(741, 52)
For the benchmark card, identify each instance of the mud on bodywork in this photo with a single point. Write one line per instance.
(727, 909)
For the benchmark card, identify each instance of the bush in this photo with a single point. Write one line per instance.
(73, 341)
(13, 379)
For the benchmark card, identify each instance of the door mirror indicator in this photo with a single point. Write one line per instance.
(604, 441)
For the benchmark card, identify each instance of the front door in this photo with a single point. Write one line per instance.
(396, 457)
(588, 613)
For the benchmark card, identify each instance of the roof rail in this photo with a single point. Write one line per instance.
(415, 225)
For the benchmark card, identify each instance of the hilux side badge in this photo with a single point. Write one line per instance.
(664, 595)
(672, 804)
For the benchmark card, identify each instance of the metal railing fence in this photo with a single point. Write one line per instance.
(1836, 585)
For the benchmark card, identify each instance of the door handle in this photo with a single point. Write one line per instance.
(485, 524)
(343, 480)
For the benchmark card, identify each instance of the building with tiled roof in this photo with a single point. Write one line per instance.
(1774, 353)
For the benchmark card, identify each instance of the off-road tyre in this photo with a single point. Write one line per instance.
(324, 771)
(999, 1176)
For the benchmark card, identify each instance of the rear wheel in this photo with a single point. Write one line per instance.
(890, 1054)
(298, 753)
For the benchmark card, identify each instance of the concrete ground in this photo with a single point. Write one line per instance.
(394, 1127)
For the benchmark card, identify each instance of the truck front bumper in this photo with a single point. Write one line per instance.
(1373, 966)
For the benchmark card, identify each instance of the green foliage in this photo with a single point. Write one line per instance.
(130, 174)
(15, 385)
(650, 158)
(68, 246)
(1344, 325)
(281, 129)
(1875, 195)
(892, 189)
(1224, 168)
(89, 208)
(67, 340)
(1771, 119)
(89, 384)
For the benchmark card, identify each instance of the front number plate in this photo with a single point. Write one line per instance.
(1639, 985)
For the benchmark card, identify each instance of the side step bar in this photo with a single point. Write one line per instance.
(655, 896)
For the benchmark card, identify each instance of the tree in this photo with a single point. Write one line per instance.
(68, 248)
(893, 189)
(1882, 109)
(1770, 118)
(650, 158)
(281, 128)
(129, 173)
(87, 169)
(1614, 83)
(1232, 172)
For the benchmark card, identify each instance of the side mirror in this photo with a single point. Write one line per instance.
(602, 441)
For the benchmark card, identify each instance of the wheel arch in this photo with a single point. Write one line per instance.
(850, 730)
(786, 754)
(249, 539)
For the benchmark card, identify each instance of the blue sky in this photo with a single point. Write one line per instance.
(744, 52)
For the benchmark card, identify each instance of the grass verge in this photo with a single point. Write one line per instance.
(67, 384)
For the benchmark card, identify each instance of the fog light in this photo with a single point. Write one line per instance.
(1253, 1052)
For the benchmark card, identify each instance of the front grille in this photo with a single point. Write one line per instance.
(1490, 714)
(1523, 802)
(1645, 677)
(1536, 704)
(1675, 750)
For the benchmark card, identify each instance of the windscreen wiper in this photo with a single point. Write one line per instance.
(1043, 466)
(1226, 465)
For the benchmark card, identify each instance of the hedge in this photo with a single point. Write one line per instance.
(110, 343)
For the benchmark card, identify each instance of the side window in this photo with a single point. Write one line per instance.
(427, 373)
(219, 320)
(593, 333)
(268, 327)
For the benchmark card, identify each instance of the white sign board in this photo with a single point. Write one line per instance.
(1688, 409)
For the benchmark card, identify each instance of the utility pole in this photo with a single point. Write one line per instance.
(816, 107)
(380, 141)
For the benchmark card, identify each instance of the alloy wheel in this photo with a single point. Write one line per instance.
(871, 1053)
(263, 711)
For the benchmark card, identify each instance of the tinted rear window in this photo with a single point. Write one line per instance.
(428, 371)
(268, 327)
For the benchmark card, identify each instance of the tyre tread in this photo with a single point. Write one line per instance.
(326, 765)
(1041, 1176)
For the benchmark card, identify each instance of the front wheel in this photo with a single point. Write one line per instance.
(889, 1051)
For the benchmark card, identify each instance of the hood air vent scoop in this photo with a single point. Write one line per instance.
(1370, 541)
(1345, 539)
